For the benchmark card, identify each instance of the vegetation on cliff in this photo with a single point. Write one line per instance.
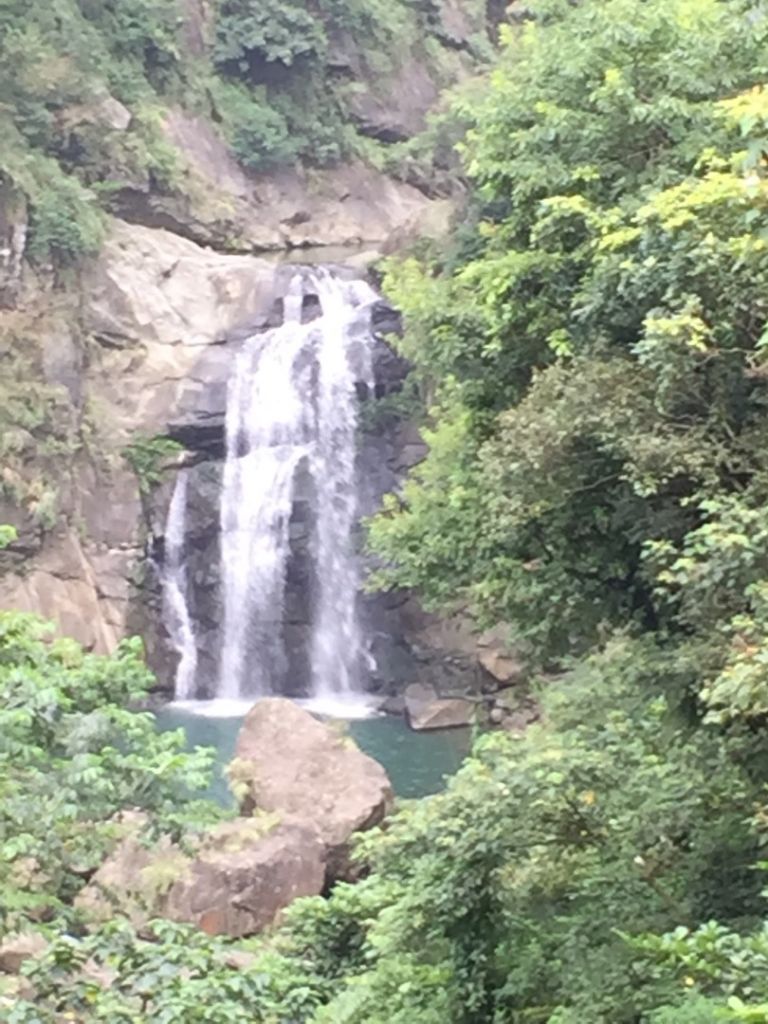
(593, 341)
(87, 87)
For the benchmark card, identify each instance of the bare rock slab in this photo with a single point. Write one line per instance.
(503, 667)
(426, 710)
(237, 882)
(290, 763)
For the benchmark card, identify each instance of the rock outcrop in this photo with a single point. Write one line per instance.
(151, 337)
(289, 763)
(19, 947)
(426, 710)
(221, 204)
(84, 591)
(154, 303)
(149, 351)
(140, 341)
(15, 951)
(236, 882)
(242, 880)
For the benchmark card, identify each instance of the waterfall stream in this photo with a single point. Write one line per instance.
(176, 609)
(291, 436)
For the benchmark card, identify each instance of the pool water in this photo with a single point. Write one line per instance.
(417, 762)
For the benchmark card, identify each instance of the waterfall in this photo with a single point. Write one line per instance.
(292, 411)
(176, 609)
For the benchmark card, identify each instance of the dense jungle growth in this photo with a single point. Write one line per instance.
(592, 348)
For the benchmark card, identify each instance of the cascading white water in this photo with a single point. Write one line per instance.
(291, 410)
(176, 609)
(336, 640)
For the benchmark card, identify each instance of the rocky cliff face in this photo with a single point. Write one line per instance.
(400, 643)
(84, 372)
(145, 348)
(218, 203)
(136, 343)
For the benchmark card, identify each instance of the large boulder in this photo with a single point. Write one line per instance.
(242, 879)
(425, 710)
(290, 763)
(236, 881)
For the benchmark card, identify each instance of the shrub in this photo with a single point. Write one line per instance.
(258, 133)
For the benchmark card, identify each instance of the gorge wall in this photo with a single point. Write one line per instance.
(99, 361)
(163, 319)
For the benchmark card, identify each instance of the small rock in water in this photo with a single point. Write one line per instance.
(426, 710)
(445, 713)
(393, 705)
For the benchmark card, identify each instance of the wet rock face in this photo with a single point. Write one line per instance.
(404, 645)
(198, 422)
(162, 322)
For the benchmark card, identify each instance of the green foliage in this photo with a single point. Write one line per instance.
(262, 72)
(64, 224)
(170, 975)
(594, 341)
(7, 535)
(272, 31)
(139, 31)
(72, 755)
(148, 457)
(379, 20)
(592, 346)
(542, 846)
(595, 347)
(712, 958)
(307, 65)
(58, 65)
(502, 899)
(258, 133)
